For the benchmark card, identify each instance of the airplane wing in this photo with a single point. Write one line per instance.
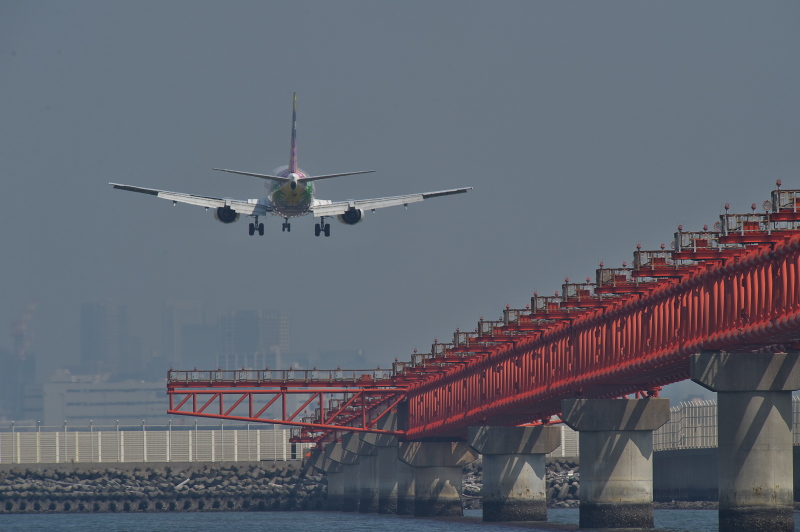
(340, 207)
(258, 207)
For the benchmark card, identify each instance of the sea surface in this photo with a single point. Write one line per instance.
(558, 519)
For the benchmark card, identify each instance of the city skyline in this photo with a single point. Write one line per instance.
(110, 340)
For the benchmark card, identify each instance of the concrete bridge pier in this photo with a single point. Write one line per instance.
(754, 410)
(405, 488)
(365, 478)
(368, 483)
(437, 469)
(514, 470)
(616, 442)
(352, 488)
(386, 465)
(335, 501)
(334, 475)
(349, 471)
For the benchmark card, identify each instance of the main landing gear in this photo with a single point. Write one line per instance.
(256, 227)
(322, 227)
(286, 225)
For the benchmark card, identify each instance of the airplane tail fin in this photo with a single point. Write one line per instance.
(293, 154)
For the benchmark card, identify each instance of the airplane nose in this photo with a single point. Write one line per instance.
(293, 185)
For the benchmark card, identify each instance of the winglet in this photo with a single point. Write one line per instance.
(293, 153)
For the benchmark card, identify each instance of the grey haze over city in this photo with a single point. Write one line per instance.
(584, 128)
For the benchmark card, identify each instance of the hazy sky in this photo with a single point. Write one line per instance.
(585, 129)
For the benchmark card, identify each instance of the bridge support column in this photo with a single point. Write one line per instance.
(514, 484)
(386, 464)
(437, 469)
(349, 471)
(333, 473)
(616, 442)
(754, 411)
(352, 487)
(387, 479)
(335, 500)
(405, 488)
(366, 477)
(368, 484)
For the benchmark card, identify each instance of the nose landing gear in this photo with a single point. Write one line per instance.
(286, 225)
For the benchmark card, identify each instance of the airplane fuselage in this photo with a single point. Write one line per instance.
(293, 198)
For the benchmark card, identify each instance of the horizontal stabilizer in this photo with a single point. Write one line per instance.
(260, 176)
(286, 179)
(327, 176)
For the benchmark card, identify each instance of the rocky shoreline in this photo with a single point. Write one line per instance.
(223, 486)
(160, 488)
(562, 477)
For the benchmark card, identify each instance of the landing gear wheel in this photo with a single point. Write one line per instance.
(317, 230)
(327, 229)
(260, 229)
(288, 227)
(283, 227)
(252, 229)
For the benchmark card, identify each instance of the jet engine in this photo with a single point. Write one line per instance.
(226, 215)
(352, 216)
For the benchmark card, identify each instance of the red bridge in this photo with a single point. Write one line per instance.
(735, 287)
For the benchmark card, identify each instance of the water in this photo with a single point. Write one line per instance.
(559, 519)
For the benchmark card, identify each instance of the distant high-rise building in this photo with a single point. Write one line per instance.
(275, 330)
(104, 340)
(17, 372)
(178, 314)
(252, 338)
(199, 346)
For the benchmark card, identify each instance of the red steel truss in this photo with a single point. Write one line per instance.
(735, 287)
(356, 399)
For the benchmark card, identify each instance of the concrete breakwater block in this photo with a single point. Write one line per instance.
(222, 486)
(173, 487)
(562, 477)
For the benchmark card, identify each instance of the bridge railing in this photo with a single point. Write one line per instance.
(785, 200)
(696, 240)
(743, 224)
(290, 375)
(577, 291)
(463, 337)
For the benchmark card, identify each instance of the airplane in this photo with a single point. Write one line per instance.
(290, 194)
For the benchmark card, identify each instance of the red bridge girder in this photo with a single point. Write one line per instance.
(735, 288)
(639, 342)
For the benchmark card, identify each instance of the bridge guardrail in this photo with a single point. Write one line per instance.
(290, 375)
